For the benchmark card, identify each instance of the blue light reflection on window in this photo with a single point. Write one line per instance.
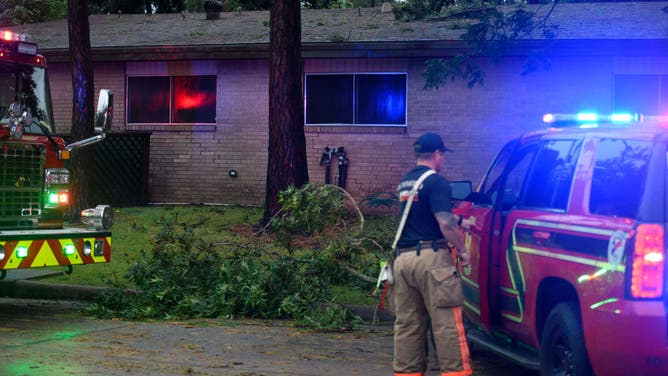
(381, 99)
(355, 99)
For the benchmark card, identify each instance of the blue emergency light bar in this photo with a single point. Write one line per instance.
(589, 119)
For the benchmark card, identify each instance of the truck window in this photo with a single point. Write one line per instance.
(27, 86)
(551, 177)
(516, 175)
(494, 177)
(620, 170)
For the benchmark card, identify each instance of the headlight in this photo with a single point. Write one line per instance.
(100, 218)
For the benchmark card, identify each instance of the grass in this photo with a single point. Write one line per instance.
(135, 227)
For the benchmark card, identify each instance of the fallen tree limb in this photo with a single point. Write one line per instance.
(357, 273)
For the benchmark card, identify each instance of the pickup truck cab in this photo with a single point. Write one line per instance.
(568, 252)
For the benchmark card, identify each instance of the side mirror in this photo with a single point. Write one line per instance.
(103, 117)
(105, 111)
(459, 190)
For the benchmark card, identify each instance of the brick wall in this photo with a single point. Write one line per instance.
(193, 166)
(107, 76)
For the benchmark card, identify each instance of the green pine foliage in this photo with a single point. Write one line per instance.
(490, 28)
(188, 275)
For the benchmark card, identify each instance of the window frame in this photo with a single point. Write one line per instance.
(170, 98)
(355, 100)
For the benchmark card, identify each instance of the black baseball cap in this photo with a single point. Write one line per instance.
(429, 143)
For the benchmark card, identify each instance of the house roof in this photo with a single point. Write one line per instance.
(346, 33)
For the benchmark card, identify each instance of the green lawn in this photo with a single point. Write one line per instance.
(135, 227)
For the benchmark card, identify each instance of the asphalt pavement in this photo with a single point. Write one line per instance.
(44, 334)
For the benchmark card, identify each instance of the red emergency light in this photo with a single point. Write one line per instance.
(11, 36)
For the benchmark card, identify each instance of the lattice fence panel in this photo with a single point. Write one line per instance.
(120, 174)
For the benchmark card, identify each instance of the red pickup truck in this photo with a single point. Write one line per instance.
(568, 252)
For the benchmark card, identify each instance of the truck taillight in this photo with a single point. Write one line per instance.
(647, 263)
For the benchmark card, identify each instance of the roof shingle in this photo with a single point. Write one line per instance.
(634, 20)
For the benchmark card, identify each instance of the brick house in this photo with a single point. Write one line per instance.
(606, 56)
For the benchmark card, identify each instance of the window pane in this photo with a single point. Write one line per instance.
(194, 99)
(148, 100)
(619, 177)
(637, 93)
(517, 175)
(381, 99)
(552, 174)
(494, 178)
(329, 99)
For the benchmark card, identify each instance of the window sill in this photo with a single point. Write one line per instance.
(171, 127)
(355, 129)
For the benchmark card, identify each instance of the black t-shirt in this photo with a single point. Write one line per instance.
(432, 197)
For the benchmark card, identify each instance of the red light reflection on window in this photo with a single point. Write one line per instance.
(194, 99)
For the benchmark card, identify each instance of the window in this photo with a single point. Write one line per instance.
(494, 177)
(551, 177)
(355, 99)
(171, 99)
(642, 93)
(28, 87)
(619, 176)
(517, 175)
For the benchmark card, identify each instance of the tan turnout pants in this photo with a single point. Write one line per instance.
(414, 291)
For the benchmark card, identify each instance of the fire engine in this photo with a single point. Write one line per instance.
(568, 254)
(34, 179)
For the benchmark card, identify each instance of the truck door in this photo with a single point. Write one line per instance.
(541, 193)
(482, 239)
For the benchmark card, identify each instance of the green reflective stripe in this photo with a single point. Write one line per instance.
(561, 226)
(469, 281)
(575, 259)
(509, 291)
(511, 317)
(515, 291)
(472, 307)
(603, 302)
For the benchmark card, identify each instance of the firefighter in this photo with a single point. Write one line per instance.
(421, 257)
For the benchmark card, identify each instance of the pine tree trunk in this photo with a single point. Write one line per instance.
(287, 143)
(82, 101)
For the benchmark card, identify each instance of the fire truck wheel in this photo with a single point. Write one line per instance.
(562, 345)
